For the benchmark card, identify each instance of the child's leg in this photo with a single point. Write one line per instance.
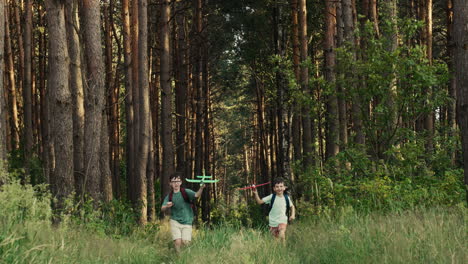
(282, 232)
(176, 232)
(178, 244)
(186, 234)
(274, 231)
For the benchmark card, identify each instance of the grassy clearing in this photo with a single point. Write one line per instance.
(419, 236)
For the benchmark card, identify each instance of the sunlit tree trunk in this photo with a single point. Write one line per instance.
(144, 112)
(10, 69)
(426, 40)
(76, 86)
(20, 43)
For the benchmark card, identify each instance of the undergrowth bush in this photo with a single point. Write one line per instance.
(405, 180)
(20, 203)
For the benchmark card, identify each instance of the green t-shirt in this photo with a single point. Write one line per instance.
(181, 211)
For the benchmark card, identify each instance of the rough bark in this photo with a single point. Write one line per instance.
(460, 33)
(451, 108)
(3, 131)
(76, 86)
(307, 138)
(94, 95)
(144, 112)
(104, 158)
(61, 103)
(10, 69)
(296, 119)
(181, 84)
(332, 137)
(27, 88)
(129, 114)
(166, 108)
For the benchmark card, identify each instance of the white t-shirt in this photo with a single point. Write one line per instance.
(278, 212)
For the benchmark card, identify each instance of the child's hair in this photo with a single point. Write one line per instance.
(176, 175)
(279, 180)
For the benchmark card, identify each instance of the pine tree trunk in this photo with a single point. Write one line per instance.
(46, 154)
(340, 90)
(390, 33)
(166, 101)
(451, 111)
(150, 177)
(104, 158)
(3, 109)
(27, 88)
(61, 104)
(10, 69)
(76, 86)
(296, 121)
(20, 45)
(94, 95)
(460, 33)
(136, 98)
(332, 137)
(181, 84)
(307, 138)
(129, 114)
(144, 111)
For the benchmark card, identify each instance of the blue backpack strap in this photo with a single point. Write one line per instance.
(287, 204)
(273, 197)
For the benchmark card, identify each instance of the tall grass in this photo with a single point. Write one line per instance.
(437, 235)
(420, 236)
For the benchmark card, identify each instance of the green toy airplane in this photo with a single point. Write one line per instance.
(203, 179)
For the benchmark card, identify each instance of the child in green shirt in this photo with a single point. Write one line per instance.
(179, 200)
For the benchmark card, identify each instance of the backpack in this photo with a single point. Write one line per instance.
(287, 203)
(186, 198)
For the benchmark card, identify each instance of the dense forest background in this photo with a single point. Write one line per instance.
(358, 103)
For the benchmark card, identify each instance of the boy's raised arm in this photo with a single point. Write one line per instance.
(257, 198)
(199, 192)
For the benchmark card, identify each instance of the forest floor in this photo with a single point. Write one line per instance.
(420, 236)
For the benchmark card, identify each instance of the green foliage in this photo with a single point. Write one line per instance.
(17, 170)
(115, 218)
(20, 203)
(406, 180)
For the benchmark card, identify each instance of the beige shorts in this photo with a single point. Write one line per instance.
(180, 231)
